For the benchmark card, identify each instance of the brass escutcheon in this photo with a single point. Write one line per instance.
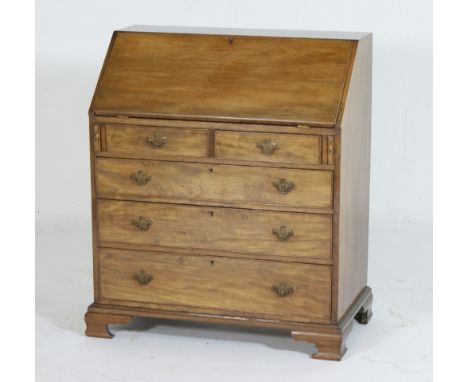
(143, 277)
(140, 177)
(157, 141)
(267, 146)
(282, 233)
(283, 186)
(142, 223)
(282, 289)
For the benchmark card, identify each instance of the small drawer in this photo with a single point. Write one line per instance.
(289, 236)
(264, 289)
(154, 141)
(187, 182)
(284, 148)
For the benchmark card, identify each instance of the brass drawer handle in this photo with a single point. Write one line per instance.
(140, 177)
(142, 223)
(157, 141)
(283, 186)
(282, 233)
(282, 289)
(267, 146)
(143, 277)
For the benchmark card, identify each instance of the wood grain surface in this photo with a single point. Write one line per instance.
(354, 181)
(244, 78)
(204, 181)
(290, 148)
(217, 283)
(134, 140)
(223, 229)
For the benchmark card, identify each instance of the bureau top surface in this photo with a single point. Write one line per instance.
(226, 75)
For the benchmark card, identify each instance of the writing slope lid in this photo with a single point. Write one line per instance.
(228, 78)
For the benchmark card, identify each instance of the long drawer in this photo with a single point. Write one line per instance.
(286, 235)
(267, 289)
(216, 183)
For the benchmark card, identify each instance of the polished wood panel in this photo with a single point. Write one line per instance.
(218, 283)
(223, 229)
(240, 78)
(354, 181)
(204, 181)
(135, 140)
(289, 148)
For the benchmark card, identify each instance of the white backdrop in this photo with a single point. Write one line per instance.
(72, 38)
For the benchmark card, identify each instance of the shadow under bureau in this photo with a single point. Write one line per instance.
(230, 181)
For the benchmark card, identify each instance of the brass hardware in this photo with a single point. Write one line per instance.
(157, 141)
(282, 233)
(140, 177)
(267, 146)
(282, 289)
(142, 223)
(143, 277)
(283, 186)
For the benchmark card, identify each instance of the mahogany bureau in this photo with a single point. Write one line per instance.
(230, 181)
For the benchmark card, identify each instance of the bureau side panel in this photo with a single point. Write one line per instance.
(354, 180)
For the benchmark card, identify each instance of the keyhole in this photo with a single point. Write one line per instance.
(211, 213)
(211, 170)
(212, 262)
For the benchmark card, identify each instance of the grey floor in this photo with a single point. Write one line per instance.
(395, 346)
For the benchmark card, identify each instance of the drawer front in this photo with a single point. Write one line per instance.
(296, 292)
(284, 148)
(304, 236)
(214, 183)
(155, 141)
